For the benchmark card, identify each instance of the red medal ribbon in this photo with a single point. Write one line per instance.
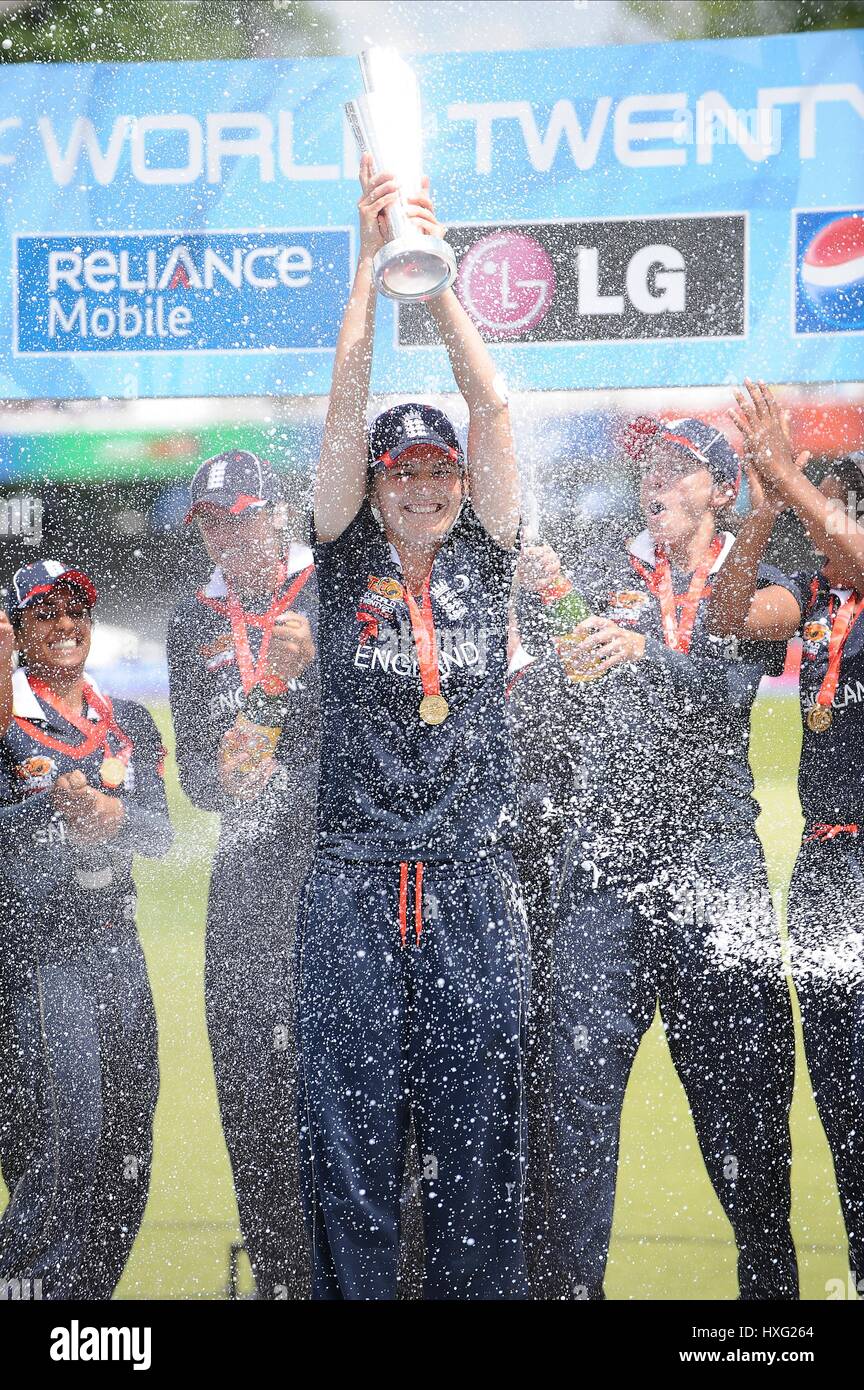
(841, 625)
(423, 628)
(830, 832)
(94, 732)
(677, 632)
(252, 672)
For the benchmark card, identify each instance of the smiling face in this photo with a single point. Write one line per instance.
(54, 633)
(420, 496)
(239, 544)
(676, 492)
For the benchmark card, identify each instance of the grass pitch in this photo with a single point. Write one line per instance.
(670, 1239)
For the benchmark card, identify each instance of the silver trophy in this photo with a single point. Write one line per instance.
(386, 122)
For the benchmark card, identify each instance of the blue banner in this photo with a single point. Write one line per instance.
(670, 214)
(182, 292)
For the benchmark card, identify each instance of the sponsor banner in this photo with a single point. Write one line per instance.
(829, 271)
(280, 291)
(598, 281)
(665, 212)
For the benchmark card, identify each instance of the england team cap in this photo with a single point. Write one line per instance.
(709, 445)
(235, 480)
(32, 581)
(703, 444)
(403, 426)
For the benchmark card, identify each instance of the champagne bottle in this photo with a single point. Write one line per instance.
(565, 609)
(565, 606)
(261, 719)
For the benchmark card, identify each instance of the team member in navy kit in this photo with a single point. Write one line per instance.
(548, 742)
(81, 792)
(412, 977)
(252, 624)
(663, 892)
(824, 607)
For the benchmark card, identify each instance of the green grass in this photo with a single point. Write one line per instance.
(671, 1239)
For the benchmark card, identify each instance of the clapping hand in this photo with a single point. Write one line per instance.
(90, 815)
(769, 454)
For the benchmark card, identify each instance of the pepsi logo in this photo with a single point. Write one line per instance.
(830, 291)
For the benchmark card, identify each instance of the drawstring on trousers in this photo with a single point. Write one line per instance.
(403, 901)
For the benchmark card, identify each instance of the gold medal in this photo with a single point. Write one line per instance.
(112, 772)
(819, 718)
(434, 709)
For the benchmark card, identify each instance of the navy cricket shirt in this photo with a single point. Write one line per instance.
(207, 695)
(40, 896)
(391, 787)
(830, 778)
(669, 735)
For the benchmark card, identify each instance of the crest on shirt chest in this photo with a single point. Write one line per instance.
(219, 652)
(379, 603)
(446, 593)
(627, 605)
(815, 635)
(36, 774)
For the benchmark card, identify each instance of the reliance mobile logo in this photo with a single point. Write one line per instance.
(829, 271)
(279, 290)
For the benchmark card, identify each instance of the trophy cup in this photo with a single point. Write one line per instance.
(387, 125)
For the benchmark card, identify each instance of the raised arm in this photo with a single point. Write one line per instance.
(340, 482)
(833, 533)
(492, 471)
(738, 607)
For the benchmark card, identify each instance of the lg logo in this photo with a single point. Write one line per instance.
(506, 283)
(598, 280)
(654, 282)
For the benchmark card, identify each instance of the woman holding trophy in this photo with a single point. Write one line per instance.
(412, 971)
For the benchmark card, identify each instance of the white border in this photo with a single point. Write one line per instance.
(128, 354)
(793, 269)
(599, 342)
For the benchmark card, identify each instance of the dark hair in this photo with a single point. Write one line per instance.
(849, 473)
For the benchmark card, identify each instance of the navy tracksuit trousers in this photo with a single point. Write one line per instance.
(250, 1021)
(826, 920)
(79, 1079)
(698, 936)
(412, 991)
